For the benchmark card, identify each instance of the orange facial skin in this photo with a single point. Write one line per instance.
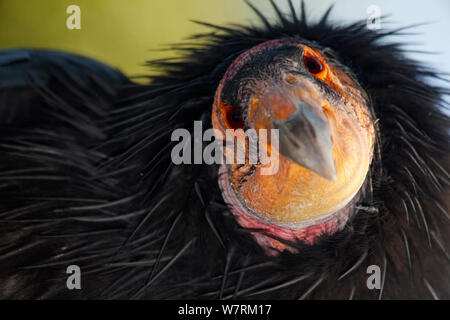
(294, 195)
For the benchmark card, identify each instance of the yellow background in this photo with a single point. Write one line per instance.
(122, 33)
(127, 33)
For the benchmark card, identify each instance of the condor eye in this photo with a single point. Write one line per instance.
(234, 118)
(312, 64)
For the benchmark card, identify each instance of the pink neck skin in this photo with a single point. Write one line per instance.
(307, 233)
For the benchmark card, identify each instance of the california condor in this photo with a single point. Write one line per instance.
(87, 179)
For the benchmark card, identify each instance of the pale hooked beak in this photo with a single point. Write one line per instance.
(305, 139)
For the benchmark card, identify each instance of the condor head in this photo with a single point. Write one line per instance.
(325, 147)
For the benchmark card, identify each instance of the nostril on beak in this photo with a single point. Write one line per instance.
(305, 139)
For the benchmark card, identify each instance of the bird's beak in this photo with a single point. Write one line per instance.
(305, 139)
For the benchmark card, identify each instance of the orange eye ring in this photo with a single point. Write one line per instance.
(313, 64)
(233, 118)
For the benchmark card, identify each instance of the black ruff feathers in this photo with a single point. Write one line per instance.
(86, 178)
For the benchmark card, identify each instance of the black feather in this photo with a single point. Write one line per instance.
(86, 178)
